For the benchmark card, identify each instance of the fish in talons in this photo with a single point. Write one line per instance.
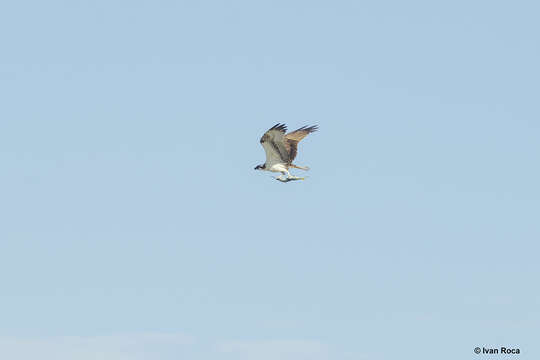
(289, 178)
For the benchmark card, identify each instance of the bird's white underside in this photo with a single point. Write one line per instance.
(278, 168)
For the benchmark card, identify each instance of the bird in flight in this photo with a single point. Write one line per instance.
(281, 150)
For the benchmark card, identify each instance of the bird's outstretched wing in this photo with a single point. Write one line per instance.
(293, 138)
(273, 142)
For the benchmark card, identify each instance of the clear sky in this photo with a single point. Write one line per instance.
(133, 225)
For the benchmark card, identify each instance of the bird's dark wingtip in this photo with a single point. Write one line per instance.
(279, 127)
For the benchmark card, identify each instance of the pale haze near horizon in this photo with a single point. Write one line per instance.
(134, 225)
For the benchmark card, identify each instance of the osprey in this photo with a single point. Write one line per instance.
(281, 150)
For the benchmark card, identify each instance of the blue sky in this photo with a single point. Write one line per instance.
(134, 225)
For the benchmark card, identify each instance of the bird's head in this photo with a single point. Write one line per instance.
(260, 167)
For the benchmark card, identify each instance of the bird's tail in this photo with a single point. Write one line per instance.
(305, 168)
